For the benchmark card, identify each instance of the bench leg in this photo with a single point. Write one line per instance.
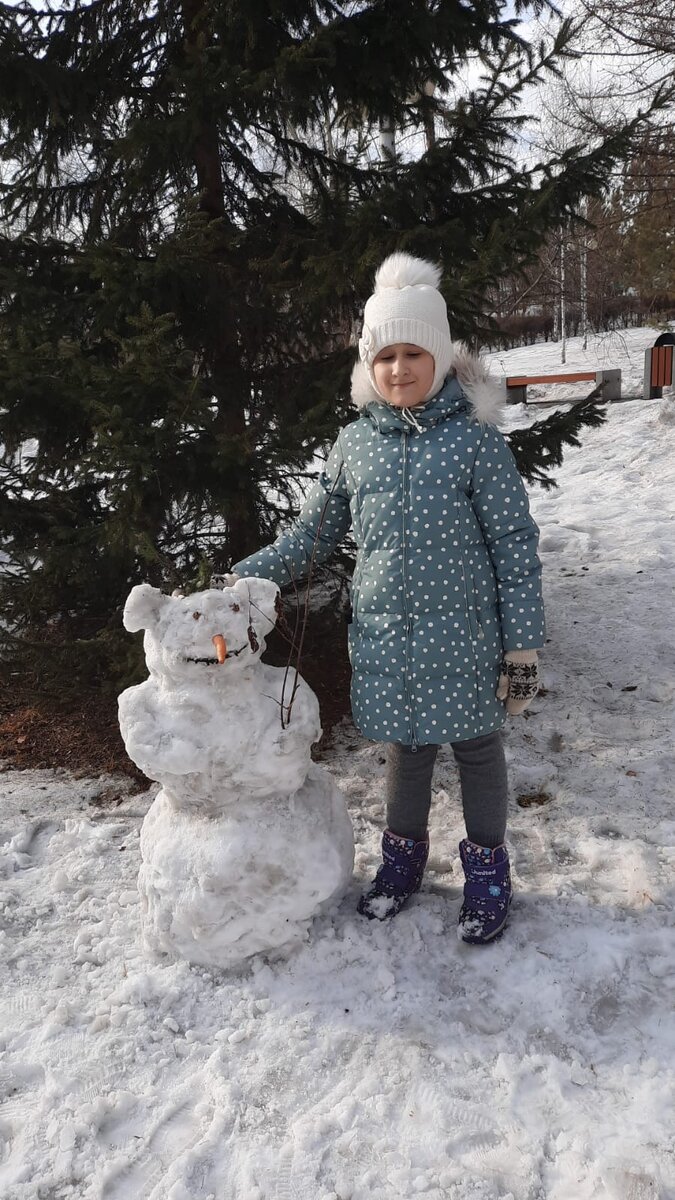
(516, 395)
(611, 384)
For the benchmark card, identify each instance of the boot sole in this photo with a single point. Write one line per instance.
(387, 916)
(486, 941)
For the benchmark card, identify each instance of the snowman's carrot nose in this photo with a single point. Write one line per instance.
(221, 647)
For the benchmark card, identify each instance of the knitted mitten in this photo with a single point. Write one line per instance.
(518, 679)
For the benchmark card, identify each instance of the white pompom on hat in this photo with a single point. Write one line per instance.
(407, 306)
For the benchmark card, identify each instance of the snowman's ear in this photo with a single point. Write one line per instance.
(262, 596)
(143, 606)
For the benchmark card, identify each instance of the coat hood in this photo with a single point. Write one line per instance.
(468, 385)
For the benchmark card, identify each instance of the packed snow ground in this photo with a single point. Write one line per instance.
(387, 1061)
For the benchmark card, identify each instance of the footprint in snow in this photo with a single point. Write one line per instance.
(148, 1150)
(29, 844)
(20, 1090)
(132, 1179)
(177, 1128)
(6, 1140)
(125, 1121)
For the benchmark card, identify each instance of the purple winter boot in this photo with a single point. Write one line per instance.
(397, 879)
(487, 893)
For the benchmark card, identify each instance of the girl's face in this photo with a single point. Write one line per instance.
(403, 374)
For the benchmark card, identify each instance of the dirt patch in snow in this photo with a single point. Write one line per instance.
(44, 732)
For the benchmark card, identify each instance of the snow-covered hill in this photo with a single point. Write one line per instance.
(383, 1062)
(622, 349)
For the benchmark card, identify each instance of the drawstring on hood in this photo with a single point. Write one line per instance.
(409, 418)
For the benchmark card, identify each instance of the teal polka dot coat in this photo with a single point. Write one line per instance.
(447, 573)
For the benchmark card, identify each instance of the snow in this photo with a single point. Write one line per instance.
(382, 1061)
(247, 839)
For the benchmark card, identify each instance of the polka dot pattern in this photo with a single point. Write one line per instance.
(447, 572)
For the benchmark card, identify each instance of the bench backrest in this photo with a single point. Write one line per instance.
(661, 366)
(569, 377)
(659, 370)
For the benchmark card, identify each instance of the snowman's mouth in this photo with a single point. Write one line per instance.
(213, 662)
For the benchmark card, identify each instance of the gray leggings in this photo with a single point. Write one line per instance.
(482, 776)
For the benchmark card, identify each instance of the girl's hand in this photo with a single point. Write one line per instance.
(518, 680)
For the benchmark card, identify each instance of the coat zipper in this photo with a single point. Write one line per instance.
(475, 627)
(408, 618)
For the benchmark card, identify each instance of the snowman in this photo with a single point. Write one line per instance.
(247, 839)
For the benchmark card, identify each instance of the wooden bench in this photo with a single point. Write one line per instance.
(609, 381)
(659, 371)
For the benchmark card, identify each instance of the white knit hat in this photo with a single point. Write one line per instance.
(406, 306)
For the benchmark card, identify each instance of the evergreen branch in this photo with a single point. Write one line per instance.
(542, 446)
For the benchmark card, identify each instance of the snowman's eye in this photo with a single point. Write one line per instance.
(196, 616)
(234, 607)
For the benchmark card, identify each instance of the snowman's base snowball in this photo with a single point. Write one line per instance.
(215, 890)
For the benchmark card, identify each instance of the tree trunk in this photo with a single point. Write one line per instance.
(387, 142)
(556, 301)
(584, 291)
(206, 149)
(231, 384)
(428, 118)
(563, 312)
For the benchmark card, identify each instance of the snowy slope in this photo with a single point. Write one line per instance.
(382, 1062)
(621, 349)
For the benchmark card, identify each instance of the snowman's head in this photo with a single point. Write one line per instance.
(209, 635)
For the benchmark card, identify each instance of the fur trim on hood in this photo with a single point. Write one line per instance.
(482, 390)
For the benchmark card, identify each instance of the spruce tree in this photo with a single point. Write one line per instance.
(192, 210)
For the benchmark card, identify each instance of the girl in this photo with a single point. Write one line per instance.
(447, 614)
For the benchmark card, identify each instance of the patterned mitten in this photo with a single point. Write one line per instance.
(518, 680)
